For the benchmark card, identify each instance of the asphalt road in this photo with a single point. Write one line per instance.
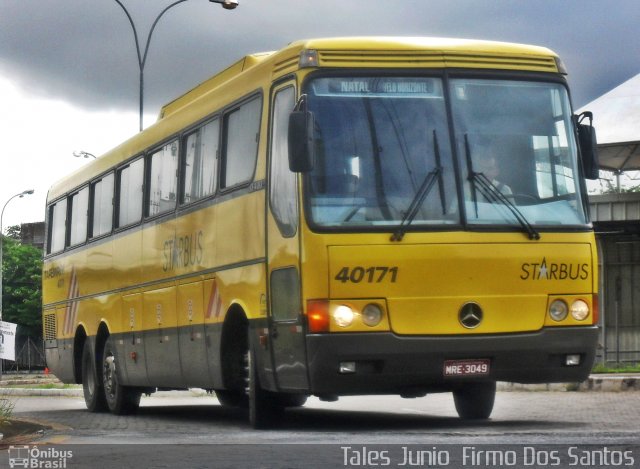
(182, 430)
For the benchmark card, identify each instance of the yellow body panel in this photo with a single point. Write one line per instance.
(436, 274)
(153, 260)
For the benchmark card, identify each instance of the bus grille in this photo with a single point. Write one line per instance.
(286, 66)
(50, 326)
(437, 59)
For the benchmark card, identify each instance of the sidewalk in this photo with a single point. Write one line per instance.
(614, 382)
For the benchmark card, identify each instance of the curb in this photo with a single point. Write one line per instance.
(193, 392)
(611, 383)
(595, 383)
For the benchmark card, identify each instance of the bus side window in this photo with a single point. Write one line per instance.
(79, 211)
(102, 206)
(241, 133)
(130, 180)
(163, 179)
(199, 174)
(57, 226)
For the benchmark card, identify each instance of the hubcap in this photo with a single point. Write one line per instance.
(109, 373)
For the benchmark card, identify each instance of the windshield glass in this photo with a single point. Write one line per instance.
(376, 140)
(516, 138)
(383, 156)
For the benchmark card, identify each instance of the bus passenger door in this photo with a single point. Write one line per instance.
(286, 331)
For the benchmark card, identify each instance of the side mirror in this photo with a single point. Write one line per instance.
(588, 146)
(301, 144)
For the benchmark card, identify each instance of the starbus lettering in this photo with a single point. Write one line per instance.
(554, 271)
(54, 272)
(183, 251)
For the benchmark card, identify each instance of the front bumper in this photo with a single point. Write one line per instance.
(391, 364)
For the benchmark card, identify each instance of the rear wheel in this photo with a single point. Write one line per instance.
(475, 401)
(92, 389)
(120, 399)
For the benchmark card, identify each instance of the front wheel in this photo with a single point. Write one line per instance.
(264, 408)
(474, 401)
(121, 400)
(231, 398)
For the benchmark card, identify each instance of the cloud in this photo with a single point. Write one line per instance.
(84, 52)
(40, 138)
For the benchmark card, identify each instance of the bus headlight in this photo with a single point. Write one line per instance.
(372, 315)
(558, 310)
(343, 316)
(579, 310)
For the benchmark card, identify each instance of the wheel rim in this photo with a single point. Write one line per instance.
(109, 375)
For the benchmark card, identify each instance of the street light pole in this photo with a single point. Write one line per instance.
(20, 195)
(142, 56)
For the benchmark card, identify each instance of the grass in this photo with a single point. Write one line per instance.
(6, 410)
(45, 386)
(617, 368)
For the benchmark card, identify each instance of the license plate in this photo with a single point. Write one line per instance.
(475, 367)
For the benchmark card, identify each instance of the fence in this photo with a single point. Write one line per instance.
(29, 356)
(620, 299)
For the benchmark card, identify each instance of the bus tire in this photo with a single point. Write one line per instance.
(231, 398)
(265, 410)
(92, 389)
(292, 400)
(121, 400)
(474, 401)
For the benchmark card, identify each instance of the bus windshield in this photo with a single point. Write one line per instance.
(384, 156)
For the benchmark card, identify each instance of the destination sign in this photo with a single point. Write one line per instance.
(378, 87)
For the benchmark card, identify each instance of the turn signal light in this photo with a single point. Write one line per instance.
(318, 316)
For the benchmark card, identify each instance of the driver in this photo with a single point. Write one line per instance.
(487, 165)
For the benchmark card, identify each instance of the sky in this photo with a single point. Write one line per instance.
(69, 69)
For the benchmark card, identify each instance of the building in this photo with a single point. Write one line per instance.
(32, 234)
(616, 219)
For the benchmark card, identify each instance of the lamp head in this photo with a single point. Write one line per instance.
(227, 4)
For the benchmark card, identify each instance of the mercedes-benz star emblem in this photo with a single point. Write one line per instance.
(470, 315)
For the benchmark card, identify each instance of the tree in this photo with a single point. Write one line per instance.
(22, 291)
(623, 190)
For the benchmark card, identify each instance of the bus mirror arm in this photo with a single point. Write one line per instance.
(588, 145)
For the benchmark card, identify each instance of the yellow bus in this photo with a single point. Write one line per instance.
(347, 216)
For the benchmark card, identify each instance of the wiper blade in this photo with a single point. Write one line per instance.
(493, 194)
(424, 190)
(480, 182)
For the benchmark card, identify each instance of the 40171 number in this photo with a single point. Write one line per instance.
(360, 274)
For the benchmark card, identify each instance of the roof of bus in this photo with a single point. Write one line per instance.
(420, 43)
(366, 51)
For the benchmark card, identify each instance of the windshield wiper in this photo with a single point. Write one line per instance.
(425, 188)
(480, 182)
